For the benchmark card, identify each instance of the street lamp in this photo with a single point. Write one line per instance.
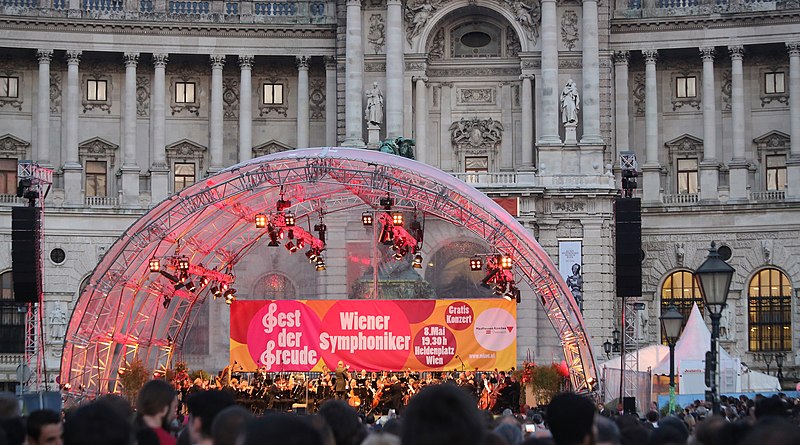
(779, 363)
(607, 349)
(714, 277)
(671, 324)
(616, 346)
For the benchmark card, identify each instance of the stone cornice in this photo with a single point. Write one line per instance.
(151, 28)
(698, 22)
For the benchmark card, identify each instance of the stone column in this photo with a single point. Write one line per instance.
(591, 75)
(245, 107)
(73, 171)
(793, 163)
(354, 78)
(621, 99)
(330, 101)
(709, 167)
(159, 171)
(448, 163)
(302, 101)
(421, 119)
(738, 165)
(215, 114)
(651, 168)
(550, 90)
(43, 108)
(395, 66)
(130, 169)
(527, 120)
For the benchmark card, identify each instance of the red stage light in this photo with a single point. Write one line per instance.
(397, 218)
(506, 262)
(366, 218)
(475, 263)
(155, 265)
(261, 220)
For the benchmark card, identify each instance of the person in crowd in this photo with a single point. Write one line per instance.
(97, 423)
(283, 429)
(44, 428)
(157, 406)
(344, 421)
(342, 378)
(772, 431)
(203, 408)
(652, 420)
(571, 418)
(606, 431)
(229, 423)
(9, 405)
(441, 415)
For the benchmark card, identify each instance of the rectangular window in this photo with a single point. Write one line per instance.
(776, 172)
(96, 178)
(774, 83)
(185, 175)
(8, 176)
(273, 94)
(686, 87)
(12, 320)
(9, 86)
(96, 90)
(687, 175)
(184, 92)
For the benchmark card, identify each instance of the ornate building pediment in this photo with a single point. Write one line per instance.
(476, 134)
(185, 149)
(13, 147)
(773, 140)
(98, 148)
(685, 145)
(269, 147)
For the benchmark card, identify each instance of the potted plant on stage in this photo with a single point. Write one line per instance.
(132, 377)
(541, 383)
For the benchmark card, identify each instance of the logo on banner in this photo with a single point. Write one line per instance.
(495, 329)
(281, 337)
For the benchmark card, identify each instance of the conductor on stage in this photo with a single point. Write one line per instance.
(342, 377)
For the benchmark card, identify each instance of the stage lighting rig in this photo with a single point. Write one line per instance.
(320, 264)
(321, 229)
(282, 204)
(366, 218)
(476, 263)
(183, 263)
(154, 265)
(506, 262)
(387, 202)
(229, 296)
(417, 262)
(261, 220)
(288, 219)
(397, 218)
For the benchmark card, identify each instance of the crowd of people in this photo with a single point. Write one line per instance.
(437, 415)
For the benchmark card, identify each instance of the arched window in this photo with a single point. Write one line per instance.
(12, 319)
(275, 286)
(769, 302)
(682, 291)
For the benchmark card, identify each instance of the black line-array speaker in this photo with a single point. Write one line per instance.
(25, 254)
(628, 216)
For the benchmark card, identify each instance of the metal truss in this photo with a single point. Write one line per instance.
(120, 316)
(630, 356)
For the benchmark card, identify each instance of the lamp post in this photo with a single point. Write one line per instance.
(615, 336)
(779, 363)
(607, 349)
(714, 277)
(671, 323)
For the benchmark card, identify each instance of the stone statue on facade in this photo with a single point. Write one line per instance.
(399, 146)
(374, 111)
(570, 103)
(58, 323)
(417, 16)
(526, 15)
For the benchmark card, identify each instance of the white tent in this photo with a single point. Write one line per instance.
(649, 357)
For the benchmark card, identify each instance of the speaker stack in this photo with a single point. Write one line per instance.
(628, 215)
(26, 254)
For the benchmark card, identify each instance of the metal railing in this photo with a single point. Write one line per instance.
(770, 195)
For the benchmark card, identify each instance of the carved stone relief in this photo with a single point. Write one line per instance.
(436, 91)
(569, 29)
(55, 92)
(13, 147)
(410, 66)
(230, 97)
(638, 94)
(436, 48)
(471, 72)
(726, 90)
(476, 133)
(569, 206)
(376, 67)
(570, 64)
(470, 96)
(417, 15)
(513, 45)
(685, 145)
(317, 98)
(376, 36)
(528, 14)
(98, 149)
(142, 95)
(186, 149)
(270, 147)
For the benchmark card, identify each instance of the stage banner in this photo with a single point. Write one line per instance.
(374, 335)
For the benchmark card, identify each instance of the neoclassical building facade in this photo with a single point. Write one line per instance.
(131, 101)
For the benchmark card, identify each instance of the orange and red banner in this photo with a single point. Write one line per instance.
(374, 335)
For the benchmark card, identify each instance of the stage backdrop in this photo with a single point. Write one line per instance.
(374, 335)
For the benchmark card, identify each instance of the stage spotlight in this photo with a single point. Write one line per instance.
(229, 298)
(216, 292)
(166, 302)
(261, 220)
(155, 265)
(500, 288)
(397, 218)
(312, 256)
(366, 218)
(273, 239)
(300, 243)
(184, 277)
(387, 236)
(321, 229)
(507, 296)
(282, 204)
(475, 263)
(320, 264)
(204, 281)
(517, 295)
(506, 262)
(183, 263)
(291, 247)
(417, 262)
(387, 202)
(288, 218)
(190, 286)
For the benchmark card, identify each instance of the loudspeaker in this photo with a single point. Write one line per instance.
(629, 405)
(628, 216)
(25, 254)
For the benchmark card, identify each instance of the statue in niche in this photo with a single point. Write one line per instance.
(377, 32)
(417, 17)
(570, 103)
(58, 322)
(524, 14)
(374, 111)
(400, 146)
(575, 284)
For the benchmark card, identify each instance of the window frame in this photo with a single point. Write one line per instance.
(96, 89)
(183, 83)
(682, 303)
(5, 86)
(272, 86)
(8, 178)
(765, 312)
(87, 175)
(175, 176)
(685, 94)
(774, 183)
(773, 83)
(679, 176)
